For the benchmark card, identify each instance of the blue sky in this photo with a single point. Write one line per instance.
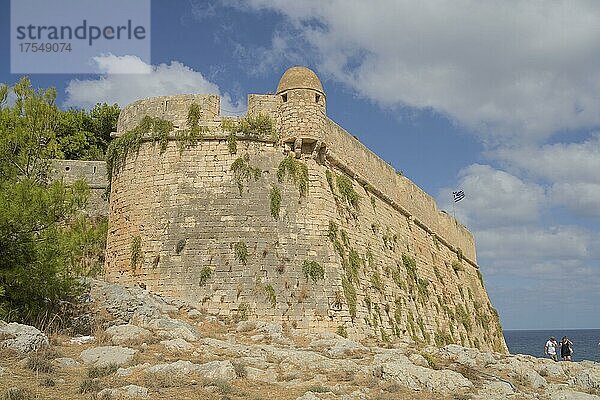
(500, 100)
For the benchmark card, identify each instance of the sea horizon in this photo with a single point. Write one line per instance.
(531, 341)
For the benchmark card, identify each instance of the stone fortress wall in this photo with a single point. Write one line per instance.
(94, 173)
(394, 265)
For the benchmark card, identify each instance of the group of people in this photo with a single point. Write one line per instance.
(565, 345)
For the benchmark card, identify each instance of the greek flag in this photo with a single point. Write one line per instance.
(458, 196)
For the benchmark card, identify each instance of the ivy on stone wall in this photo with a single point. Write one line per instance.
(271, 296)
(313, 270)
(244, 172)
(129, 143)
(241, 252)
(346, 190)
(194, 132)
(295, 171)
(205, 274)
(136, 256)
(275, 200)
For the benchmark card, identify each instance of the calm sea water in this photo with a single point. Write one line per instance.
(585, 342)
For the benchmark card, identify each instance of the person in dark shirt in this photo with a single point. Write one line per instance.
(566, 349)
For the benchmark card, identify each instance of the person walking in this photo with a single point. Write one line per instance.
(566, 349)
(550, 348)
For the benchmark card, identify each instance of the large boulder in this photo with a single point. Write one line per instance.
(107, 355)
(128, 333)
(22, 338)
(219, 370)
(419, 378)
(169, 328)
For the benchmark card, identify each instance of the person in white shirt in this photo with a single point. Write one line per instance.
(550, 348)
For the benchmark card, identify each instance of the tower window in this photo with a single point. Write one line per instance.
(284, 97)
(317, 98)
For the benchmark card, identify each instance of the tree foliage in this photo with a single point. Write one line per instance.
(46, 244)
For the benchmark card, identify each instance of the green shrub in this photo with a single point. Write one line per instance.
(346, 190)
(243, 311)
(275, 200)
(205, 274)
(232, 143)
(442, 338)
(244, 172)
(241, 252)
(341, 330)
(313, 270)
(295, 171)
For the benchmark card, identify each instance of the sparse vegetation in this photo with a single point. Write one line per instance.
(275, 200)
(313, 270)
(194, 132)
(241, 252)
(205, 274)
(329, 177)
(341, 330)
(350, 294)
(243, 311)
(346, 190)
(457, 266)
(180, 245)
(411, 267)
(376, 281)
(129, 143)
(244, 172)
(355, 262)
(136, 257)
(295, 171)
(100, 372)
(333, 230)
(271, 297)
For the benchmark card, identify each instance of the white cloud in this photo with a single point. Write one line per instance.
(127, 78)
(496, 198)
(520, 69)
(572, 171)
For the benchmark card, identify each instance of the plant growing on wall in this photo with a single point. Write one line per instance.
(275, 200)
(295, 171)
(270, 293)
(376, 281)
(350, 294)
(254, 125)
(180, 245)
(241, 252)
(205, 274)
(329, 177)
(136, 252)
(411, 267)
(313, 270)
(346, 190)
(332, 232)
(129, 143)
(355, 262)
(243, 171)
(194, 132)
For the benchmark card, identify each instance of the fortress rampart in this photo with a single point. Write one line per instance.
(365, 252)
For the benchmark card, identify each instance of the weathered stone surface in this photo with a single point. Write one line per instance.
(177, 345)
(128, 333)
(210, 370)
(587, 380)
(169, 328)
(22, 338)
(420, 378)
(127, 392)
(336, 346)
(107, 355)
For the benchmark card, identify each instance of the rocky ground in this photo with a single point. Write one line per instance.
(145, 346)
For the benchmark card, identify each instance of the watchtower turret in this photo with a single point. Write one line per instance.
(301, 103)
